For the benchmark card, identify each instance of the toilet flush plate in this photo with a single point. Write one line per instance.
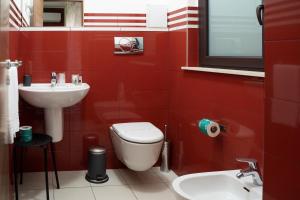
(129, 45)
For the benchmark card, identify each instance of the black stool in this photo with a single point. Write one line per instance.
(38, 141)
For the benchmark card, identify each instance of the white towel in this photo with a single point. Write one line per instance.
(13, 105)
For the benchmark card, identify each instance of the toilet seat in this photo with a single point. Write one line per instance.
(138, 132)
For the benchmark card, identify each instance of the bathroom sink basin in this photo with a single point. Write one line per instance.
(221, 185)
(44, 96)
(53, 100)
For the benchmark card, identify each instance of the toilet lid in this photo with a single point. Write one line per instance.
(140, 132)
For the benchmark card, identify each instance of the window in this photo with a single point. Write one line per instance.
(231, 36)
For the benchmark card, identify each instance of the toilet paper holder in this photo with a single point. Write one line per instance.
(211, 128)
(221, 125)
(222, 128)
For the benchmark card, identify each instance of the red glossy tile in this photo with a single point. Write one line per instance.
(282, 170)
(193, 47)
(283, 70)
(14, 40)
(151, 87)
(133, 78)
(238, 105)
(39, 52)
(282, 124)
(282, 20)
(112, 161)
(145, 99)
(282, 107)
(105, 139)
(64, 145)
(118, 84)
(178, 43)
(62, 160)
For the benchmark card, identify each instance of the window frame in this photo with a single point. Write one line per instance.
(251, 63)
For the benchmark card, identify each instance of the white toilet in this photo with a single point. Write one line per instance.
(137, 145)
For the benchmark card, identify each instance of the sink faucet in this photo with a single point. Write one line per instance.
(53, 79)
(252, 170)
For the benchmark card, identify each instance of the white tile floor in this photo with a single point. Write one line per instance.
(123, 184)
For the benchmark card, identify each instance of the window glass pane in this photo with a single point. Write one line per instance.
(233, 28)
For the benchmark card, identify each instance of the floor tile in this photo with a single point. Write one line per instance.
(113, 193)
(177, 196)
(166, 177)
(35, 181)
(135, 178)
(35, 194)
(85, 193)
(158, 191)
(115, 178)
(123, 184)
(72, 179)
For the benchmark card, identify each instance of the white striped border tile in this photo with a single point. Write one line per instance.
(182, 18)
(45, 29)
(115, 20)
(15, 15)
(131, 29)
(183, 27)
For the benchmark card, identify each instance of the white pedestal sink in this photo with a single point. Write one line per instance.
(219, 185)
(53, 100)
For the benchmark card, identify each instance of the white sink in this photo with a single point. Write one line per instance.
(53, 100)
(220, 185)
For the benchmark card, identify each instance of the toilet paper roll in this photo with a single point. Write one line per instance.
(26, 133)
(209, 127)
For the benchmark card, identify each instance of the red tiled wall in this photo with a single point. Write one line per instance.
(152, 87)
(235, 101)
(123, 88)
(282, 61)
(149, 87)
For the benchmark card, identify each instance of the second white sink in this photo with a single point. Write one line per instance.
(220, 185)
(53, 100)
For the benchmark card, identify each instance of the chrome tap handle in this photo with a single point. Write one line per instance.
(8, 63)
(17, 63)
(251, 162)
(53, 80)
(253, 170)
(53, 75)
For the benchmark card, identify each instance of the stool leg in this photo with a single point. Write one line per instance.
(46, 170)
(21, 165)
(54, 164)
(15, 172)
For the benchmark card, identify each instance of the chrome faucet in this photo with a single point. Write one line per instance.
(53, 79)
(252, 170)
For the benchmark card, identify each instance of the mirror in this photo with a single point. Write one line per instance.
(58, 13)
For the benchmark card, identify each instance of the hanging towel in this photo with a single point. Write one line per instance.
(13, 104)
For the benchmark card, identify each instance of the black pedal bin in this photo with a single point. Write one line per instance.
(96, 165)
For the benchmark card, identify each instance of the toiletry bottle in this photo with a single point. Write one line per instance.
(75, 79)
(61, 78)
(27, 80)
(80, 79)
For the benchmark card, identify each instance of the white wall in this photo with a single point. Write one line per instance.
(119, 6)
(132, 6)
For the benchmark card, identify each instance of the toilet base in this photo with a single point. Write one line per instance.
(98, 180)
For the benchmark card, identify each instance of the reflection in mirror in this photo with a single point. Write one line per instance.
(63, 13)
